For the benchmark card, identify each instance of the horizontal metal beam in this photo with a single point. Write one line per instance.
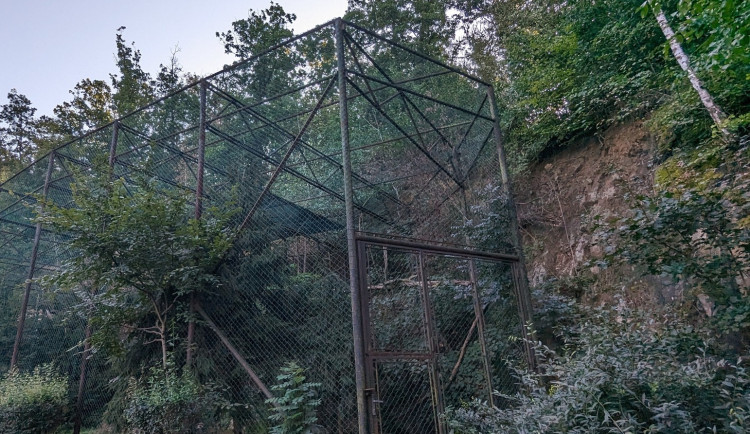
(398, 355)
(439, 250)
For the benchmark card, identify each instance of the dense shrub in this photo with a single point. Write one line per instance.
(33, 402)
(167, 402)
(622, 371)
(696, 230)
(294, 409)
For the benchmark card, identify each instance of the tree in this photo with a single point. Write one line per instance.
(422, 24)
(90, 108)
(252, 36)
(132, 86)
(139, 257)
(17, 130)
(169, 77)
(721, 31)
(717, 114)
(258, 32)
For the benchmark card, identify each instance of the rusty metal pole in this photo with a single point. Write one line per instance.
(519, 269)
(359, 357)
(32, 265)
(82, 378)
(201, 151)
(198, 209)
(436, 389)
(481, 336)
(478, 309)
(113, 147)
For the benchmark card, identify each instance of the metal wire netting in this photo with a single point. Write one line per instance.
(262, 141)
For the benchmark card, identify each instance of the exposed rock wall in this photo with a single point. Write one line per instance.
(559, 198)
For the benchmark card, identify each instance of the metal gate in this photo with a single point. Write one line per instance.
(425, 312)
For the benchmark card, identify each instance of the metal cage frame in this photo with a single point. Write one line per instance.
(343, 191)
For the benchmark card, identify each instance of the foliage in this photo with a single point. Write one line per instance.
(564, 69)
(260, 31)
(35, 402)
(425, 25)
(692, 235)
(721, 30)
(487, 225)
(567, 69)
(168, 402)
(622, 371)
(694, 229)
(294, 410)
(17, 118)
(132, 85)
(17, 133)
(90, 108)
(139, 257)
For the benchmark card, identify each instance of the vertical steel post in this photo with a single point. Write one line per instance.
(359, 359)
(113, 147)
(479, 315)
(32, 265)
(87, 334)
(432, 343)
(522, 281)
(198, 209)
(201, 151)
(369, 368)
(82, 378)
(478, 310)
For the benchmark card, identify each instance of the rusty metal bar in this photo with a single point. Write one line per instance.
(198, 210)
(432, 343)
(428, 248)
(235, 353)
(32, 264)
(479, 316)
(371, 395)
(359, 356)
(522, 281)
(82, 377)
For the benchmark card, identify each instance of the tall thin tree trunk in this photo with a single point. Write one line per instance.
(716, 113)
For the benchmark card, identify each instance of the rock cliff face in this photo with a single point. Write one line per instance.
(559, 198)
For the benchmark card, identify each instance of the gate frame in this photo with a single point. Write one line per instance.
(371, 356)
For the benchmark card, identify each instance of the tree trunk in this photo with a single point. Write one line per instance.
(716, 113)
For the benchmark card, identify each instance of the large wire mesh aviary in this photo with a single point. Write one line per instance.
(367, 249)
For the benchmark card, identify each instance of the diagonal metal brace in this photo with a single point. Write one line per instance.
(283, 161)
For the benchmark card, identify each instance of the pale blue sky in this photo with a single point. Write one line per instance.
(47, 46)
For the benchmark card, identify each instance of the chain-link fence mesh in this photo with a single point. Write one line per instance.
(262, 142)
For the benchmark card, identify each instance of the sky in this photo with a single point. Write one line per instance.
(47, 46)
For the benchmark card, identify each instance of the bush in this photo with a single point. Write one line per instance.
(295, 410)
(622, 371)
(166, 402)
(695, 229)
(33, 402)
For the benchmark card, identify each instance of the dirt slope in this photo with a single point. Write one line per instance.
(559, 197)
